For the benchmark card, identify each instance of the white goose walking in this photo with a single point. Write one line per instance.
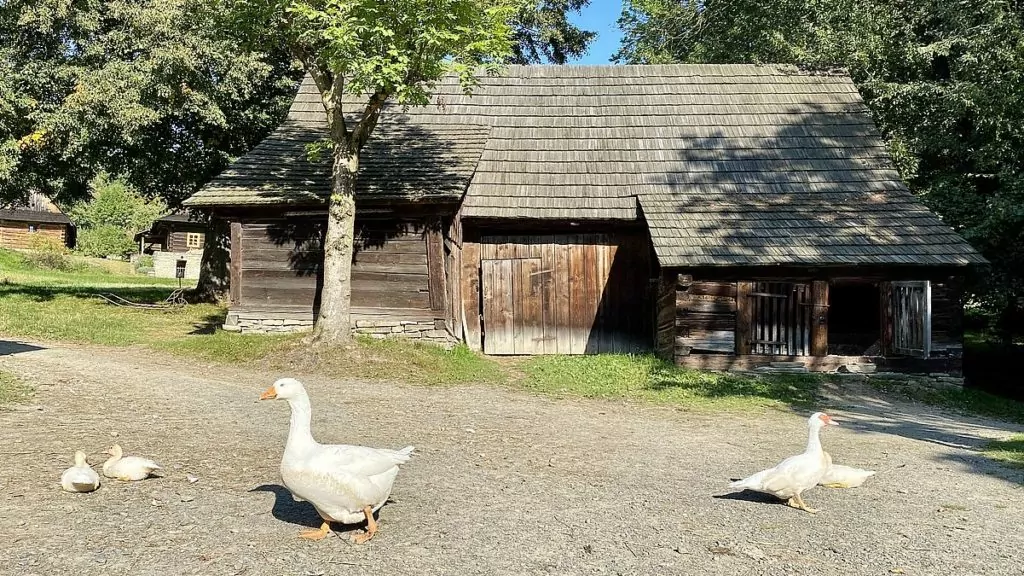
(796, 474)
(346, 484)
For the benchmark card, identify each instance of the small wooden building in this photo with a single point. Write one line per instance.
(175, 241)
(23, 223)
(721, 216)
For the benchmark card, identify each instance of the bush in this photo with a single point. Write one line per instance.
(49, 253)
(144, 265)
(106, 240)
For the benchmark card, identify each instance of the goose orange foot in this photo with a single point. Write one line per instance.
(316, 534)
(371, 527)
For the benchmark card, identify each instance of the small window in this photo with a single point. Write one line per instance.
(32, 228)
(194, 240)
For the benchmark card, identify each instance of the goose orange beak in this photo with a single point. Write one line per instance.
(268, 394)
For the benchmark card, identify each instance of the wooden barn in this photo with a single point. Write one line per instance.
(722, 216)
(22, 224)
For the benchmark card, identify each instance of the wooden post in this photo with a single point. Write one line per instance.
(435, 268)
(885, 305)
(235, 263)
(744, 318)
(665, 316)
(819, 320)
(470, 288)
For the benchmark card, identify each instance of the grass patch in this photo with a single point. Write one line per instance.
(644, 377)
(1009, 451)
(12, 389)
(964, 401)
(399, 361)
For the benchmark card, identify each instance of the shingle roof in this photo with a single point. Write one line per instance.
(26, 215)
(403, 159)
(729, 164)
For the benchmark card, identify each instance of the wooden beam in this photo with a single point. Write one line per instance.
(435, 268)
(744, 317)
(235, 263)
(819, 324)
(470, 288)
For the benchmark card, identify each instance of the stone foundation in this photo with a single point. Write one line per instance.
(375, 326)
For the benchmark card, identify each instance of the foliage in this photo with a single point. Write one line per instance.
(544, 34)
(158, 92)
(109, 221)
(944, 81)
(48, 253)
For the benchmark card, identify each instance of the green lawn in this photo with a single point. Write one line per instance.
(58, 306)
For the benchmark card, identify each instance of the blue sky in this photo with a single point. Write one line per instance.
(601, 17)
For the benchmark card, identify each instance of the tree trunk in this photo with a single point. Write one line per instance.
(333, 324)
(213, 268)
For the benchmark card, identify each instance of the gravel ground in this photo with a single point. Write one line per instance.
(503, 483)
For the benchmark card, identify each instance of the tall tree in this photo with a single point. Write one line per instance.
(944, 80)
(160, 93)
(543, 32)
(377, 51)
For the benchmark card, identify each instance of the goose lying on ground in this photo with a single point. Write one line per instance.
(80, 477)
(346, 484)
(839, 476)
(127, 468)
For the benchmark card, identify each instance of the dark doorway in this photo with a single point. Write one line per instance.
(854, 319)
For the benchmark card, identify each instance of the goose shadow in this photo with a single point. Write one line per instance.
(749, 496)
(287, 509)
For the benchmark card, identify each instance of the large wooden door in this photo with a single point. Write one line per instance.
(907, 318)
(568, 294)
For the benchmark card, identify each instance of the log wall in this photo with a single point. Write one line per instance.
(16, 235)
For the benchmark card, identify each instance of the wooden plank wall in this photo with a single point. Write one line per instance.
(705, 316)
(573, 294)
(16, 235)
(281, 263)
(665, 330)
(177, 238)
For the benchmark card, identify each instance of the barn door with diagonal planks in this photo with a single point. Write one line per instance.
(565, 294)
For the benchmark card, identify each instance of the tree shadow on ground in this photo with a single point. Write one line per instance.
(963, 436)
(10, 348)
(209, 324)
(141, 294)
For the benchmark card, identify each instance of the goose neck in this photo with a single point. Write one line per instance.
(299, 434)
(813, 440)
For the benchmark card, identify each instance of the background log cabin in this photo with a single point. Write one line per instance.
(23, 224)
(720, 216)
(175, 241)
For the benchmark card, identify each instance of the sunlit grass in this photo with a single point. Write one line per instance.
(1009, 451)
(644, 377)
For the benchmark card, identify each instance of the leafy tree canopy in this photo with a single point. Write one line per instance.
(157, 91)
(109, 221)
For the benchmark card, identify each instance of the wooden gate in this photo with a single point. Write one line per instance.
(567, 294)
(908, 318)
(781, 318)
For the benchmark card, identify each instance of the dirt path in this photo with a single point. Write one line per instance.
(504, 483)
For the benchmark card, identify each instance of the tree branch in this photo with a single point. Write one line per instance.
(368, 122)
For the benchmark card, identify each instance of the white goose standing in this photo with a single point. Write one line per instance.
(791, 477)
(346, 484)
